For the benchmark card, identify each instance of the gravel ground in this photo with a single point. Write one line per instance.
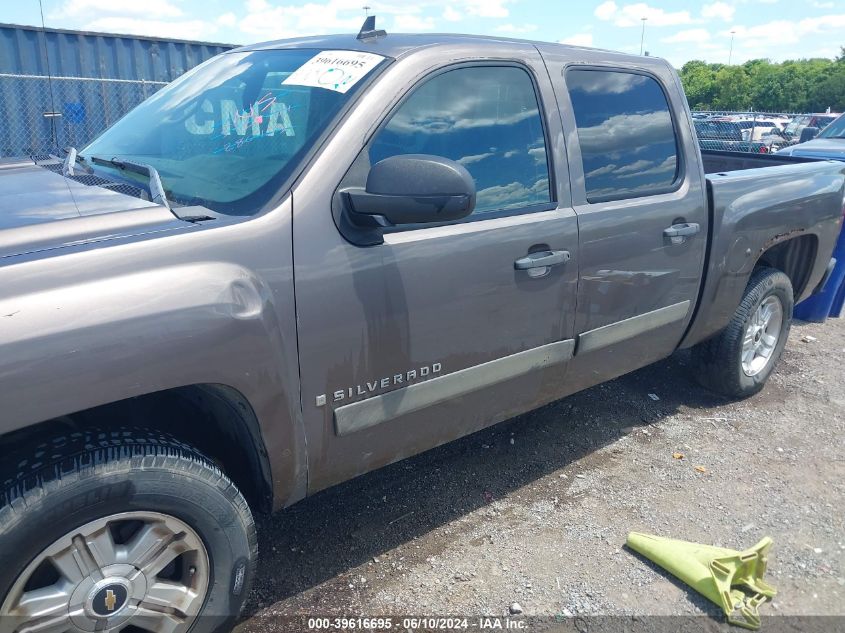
(536, 510)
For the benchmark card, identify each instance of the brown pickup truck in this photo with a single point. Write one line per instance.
(307, 259)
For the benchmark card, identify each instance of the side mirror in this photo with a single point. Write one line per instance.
(412, 189)
(808, 134)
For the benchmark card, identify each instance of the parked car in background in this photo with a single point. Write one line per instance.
(724, 134)
(820, 121)
(792, 132)
(829, 143)
(754, 129)
(307, 259)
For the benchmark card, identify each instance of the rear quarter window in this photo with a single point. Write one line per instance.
(625, 132)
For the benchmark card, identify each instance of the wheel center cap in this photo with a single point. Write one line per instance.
(108, 597)
(109, 601)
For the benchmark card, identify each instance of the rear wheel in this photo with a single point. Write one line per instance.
(738, 361)
(130, 529)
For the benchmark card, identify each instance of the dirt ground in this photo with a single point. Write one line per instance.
(536, 510)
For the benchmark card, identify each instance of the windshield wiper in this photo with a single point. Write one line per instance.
(157, 194)
(72, 158)
(69, 162)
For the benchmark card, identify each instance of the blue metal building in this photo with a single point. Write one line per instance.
(96, 78)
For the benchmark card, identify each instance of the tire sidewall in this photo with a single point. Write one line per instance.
(68, 503)
(770, 285)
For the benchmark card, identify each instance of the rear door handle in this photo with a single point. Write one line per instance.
(678, 233)
(542, 259)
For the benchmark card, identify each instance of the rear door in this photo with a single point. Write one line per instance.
(637, 190)
(439, 330)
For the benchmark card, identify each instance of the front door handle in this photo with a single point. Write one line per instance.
(542, 259)
(678, 233)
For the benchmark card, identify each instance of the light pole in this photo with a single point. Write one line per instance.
(642, 35)
(731, 51)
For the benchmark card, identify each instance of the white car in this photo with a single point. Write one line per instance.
(755, 129)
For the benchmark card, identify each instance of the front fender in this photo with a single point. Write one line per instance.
(73, 347)
(110, 323)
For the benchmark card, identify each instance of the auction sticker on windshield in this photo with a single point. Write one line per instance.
(334, 70)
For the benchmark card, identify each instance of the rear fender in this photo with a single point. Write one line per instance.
(755, 211)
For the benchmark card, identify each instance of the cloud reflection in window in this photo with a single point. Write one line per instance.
(625, 132)
(485, 118)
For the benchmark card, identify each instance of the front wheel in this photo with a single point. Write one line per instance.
(114, 530)
(738, 361)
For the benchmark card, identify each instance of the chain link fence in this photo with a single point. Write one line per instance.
(758, 132)
(39, 116)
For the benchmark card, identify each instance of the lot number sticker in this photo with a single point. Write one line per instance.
(333, 70)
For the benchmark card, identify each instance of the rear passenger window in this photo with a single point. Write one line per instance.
(485, 118)
(625, 131)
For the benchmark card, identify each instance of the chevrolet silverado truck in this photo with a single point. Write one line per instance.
(306, 259)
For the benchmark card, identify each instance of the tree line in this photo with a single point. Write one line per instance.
(802, 85)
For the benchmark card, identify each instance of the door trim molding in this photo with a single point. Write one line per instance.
(628, 328)
(378, 409)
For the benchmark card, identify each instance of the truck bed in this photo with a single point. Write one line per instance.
(751, 210)
(718, 161)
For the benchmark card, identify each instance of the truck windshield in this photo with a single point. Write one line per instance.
(800, 122)
(794, 127)
(835, 129)
(230, 132)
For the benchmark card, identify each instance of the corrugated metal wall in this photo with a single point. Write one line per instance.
(97, 78)
(83, 54)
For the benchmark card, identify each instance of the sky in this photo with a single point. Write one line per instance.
(678, 31)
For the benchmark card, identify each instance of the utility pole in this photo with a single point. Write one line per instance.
(731, 51)
(366, 10)
(642, 35)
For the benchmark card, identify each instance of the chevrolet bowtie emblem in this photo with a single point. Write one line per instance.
(111, 600)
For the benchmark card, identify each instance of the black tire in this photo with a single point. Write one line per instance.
(53, 488)
(718, 361)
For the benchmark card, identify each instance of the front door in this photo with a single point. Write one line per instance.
(440, 330)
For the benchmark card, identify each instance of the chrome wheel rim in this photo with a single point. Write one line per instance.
(144, 569)
(761, 336)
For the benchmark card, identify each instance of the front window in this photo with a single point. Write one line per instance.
(486, 118)
(229, 133)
